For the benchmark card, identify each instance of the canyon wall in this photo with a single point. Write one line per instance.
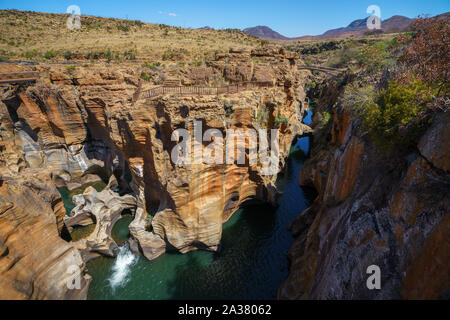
(373, 208)
(78, 125)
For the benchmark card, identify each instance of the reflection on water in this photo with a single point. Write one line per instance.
(252, 262)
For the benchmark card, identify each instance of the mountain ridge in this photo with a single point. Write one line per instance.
(264, 32)
(396, 23)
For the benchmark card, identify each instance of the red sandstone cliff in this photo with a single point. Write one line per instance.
(372, 209)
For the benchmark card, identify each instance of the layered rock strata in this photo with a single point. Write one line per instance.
(78, 124)
(35, 262)
(373, 208)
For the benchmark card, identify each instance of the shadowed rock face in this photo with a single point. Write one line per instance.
(373, 210)
(193, 201)
(84, 125)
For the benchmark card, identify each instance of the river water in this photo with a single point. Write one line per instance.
(252, 263)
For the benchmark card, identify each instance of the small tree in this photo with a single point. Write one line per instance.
(427, 50)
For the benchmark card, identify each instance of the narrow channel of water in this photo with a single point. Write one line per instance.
(251, 265)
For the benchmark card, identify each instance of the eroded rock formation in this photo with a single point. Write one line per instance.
(104, 209)
(78, 125)
(35, 262)
(372, 209)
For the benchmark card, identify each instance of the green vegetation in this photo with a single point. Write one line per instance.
(320, 47)
(145, 76)
(325, 119)
(344, 57)
(175, 54)
(393, 120)
(123, 27)
(262, 117)
(280, 120)
(391, 115)
(31, 54)
(71, 69)
(374, 57)
(154, 66)
(50, 55)
(68, 55)
(130, 54)
(393, 86)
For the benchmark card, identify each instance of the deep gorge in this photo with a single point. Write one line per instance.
(92, 136)
(251, 263)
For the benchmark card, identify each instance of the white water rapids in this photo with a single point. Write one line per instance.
(122, 267)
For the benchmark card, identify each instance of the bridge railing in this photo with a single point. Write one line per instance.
(12, 77)
(319, 68)
(201, 91)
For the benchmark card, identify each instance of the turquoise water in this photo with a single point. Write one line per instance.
(120, 233)
(252, 263)
(67, 194)
(78, 232)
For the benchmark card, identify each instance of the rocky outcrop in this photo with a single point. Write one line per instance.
(104, 209)
(151, 244)
(35, 262)
(372, 209)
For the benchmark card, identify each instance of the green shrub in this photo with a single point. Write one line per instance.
(122, 27)
(31, 54)
(68, 55)
(50, 55)
(130, 54)
(358, 99)
(313, 104)
(262, 117)
(145, 76)
(138, 23)
(326, 119)
(373, 57)
(393, 120)
(154, 66)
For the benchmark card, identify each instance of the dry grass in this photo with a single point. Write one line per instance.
(45, 37)
(328, 49)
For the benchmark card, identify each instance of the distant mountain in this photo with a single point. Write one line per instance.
(355, 26)
(359, 27)
(264, 32)
(396, 24)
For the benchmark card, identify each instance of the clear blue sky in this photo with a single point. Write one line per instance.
(289, 17)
